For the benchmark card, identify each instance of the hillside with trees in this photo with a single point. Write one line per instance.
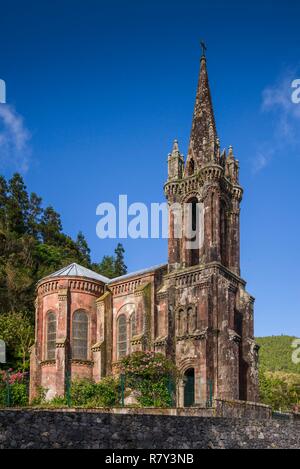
(275, 353)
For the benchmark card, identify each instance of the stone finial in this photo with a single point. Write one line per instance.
(175, 162)
(203, 125)
(175, 151)
(175, 145)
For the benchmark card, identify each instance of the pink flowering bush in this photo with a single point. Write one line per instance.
(152, 376)
(13, 388)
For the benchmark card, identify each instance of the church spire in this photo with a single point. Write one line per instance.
(203, 140)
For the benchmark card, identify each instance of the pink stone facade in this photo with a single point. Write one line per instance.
(195, 309)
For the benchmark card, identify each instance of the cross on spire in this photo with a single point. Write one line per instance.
(204, 48)
(204, 133)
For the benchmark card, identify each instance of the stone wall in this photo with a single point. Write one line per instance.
(94, 429)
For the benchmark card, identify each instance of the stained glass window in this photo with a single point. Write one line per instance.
(133, 324)
(122, 336)
(80, 336)
(51, 336)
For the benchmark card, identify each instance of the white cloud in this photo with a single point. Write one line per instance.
(260, 161)
(277, 101)
(14, 139)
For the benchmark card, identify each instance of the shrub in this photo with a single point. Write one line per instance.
(107, 393)
(86, 393)
(40, 397)
(152, 376)
(58, 401)
(82, 391)
(279, 390)
(19, 395)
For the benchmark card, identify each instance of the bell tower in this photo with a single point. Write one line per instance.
(210, 312)
(206, 190)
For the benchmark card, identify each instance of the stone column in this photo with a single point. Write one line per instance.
(174, 243)
(102, 350)
(180, 393)
(62, 336)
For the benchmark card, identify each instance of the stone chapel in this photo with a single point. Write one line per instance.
(194, 309)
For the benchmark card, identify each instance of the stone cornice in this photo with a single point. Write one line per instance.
(196, 335)
(61, 342)
(161, 341)
(134, 286)
(234, 337)
(162, 295)
(138, 339)
(177, 190)
(211, 172)
(82, 284)
(75, 361)
(252, 343)
(98, 346)
(63, 294)
(141, 289)
(237, 192)
(217, 267)
(103, 297)
(48, 362)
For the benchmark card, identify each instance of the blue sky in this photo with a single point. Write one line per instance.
(98, 90)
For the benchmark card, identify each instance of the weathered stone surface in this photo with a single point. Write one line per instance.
(64, 429)
(195, 310)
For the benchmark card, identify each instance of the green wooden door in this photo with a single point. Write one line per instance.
(189, 388)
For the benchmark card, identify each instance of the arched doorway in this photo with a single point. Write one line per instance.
(189, 387)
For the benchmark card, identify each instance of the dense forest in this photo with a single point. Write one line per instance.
(33, 245)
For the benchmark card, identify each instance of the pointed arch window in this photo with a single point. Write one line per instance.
(122, 336)
(133, 324)
(192, 230)
(51, 336)
(224, 234)
(80, 335)
(191, 168)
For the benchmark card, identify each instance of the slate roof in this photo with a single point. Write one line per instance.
(138, 272)
(76, 270)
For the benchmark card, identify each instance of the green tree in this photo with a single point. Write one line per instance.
(107, 267)
(83, 248)
(3, 202)
(51, 226)
(120, 267)
(18, 332)
(34, 215)
(17, 205)
(113, 266)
